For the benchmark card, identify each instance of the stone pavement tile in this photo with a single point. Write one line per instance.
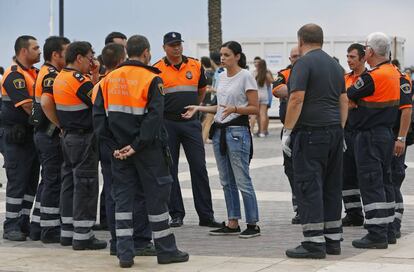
(292, 265)
(368, 267)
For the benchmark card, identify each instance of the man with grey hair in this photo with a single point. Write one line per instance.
(376, 97)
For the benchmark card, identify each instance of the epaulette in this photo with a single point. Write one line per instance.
(78, 76)
(51, 69)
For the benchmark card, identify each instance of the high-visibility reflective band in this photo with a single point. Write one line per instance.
(123, 216)
(66, 233)
(37, 205)
(333, 224)
(126, 109)
(351, 192)
(161, 233)
(379, 206)
(124, 232)
(25, 211)
(399, 205)
(50, 223)
(5, 98)
(351, 205)
(83, 223)
(178, 89)
(67, 220)
(334, 236)
(12, 215)
(312, 226)
(377, 221)
(49, 210)
(398, 215)
(36, 218)
(315, 239)
(28, 198)
(82, 236)
(159, 217)
(14, 201)
(71, 108)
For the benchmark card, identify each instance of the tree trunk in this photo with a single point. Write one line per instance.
(214, 25)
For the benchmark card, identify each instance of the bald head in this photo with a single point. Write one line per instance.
(311, 34)
(294, 54)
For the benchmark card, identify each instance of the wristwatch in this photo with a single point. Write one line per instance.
(401, 139)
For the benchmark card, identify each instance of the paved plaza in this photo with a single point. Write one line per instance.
(207, 253)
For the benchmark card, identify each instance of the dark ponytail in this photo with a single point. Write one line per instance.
(236, 48)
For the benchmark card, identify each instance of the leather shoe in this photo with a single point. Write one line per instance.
(353, 220)
(51, 240)
(212, 223)
(90, 244)
(365, 242)
(177, 257)
(398, 234)
(333, 250)
(126, 264)
(302, 253)
(176, 222)
(149, 250)
(14, 235)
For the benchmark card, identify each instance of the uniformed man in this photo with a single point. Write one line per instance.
(72, 92)
(20, 157)
(280, 90)
(113, 55)
(316, 112)
(350, 189)
(133, 95)
(106, 202)
(185, 84)
(45, 223)
(401, 129)
(377, 95)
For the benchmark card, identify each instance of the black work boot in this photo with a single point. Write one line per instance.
(296, 219)
(365, 242)
(176, 257)
(14, 235)
(333, 248)
(92, 244)
(148, 250)
(126, 264)
(300, 252)
(353, 219)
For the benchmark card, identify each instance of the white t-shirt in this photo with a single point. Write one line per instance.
(232, 91)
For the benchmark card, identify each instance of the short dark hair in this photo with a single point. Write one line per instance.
(215, 57)
(1, 70)
(257, 58)
(359, 48)
(236, 48)
(77, 48)
(53, 44)
(206, 62)
(311, 34)
(136, 45)
(113, 35)
(396, 62)
(22, 42)
(112, 54)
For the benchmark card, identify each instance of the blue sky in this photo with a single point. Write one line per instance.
(92, 20)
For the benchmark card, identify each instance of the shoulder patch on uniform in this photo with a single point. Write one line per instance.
(78, 76)
(189, 75)
(161, 88)
(406, 88)
(48, 82)
(19, 83)
(359, 83)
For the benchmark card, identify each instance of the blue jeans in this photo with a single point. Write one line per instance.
(234, 174)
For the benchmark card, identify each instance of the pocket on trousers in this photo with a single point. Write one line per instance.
(304, 183)
(370, 176)
(165, 180)
(318, 145)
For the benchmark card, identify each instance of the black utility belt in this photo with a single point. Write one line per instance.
(177, 117)
(78, 131)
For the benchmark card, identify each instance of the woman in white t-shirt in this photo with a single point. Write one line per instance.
(236, 98)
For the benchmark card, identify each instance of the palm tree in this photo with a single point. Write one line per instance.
(214, 25)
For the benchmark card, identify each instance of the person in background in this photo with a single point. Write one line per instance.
(207, 118)
(264, 79)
